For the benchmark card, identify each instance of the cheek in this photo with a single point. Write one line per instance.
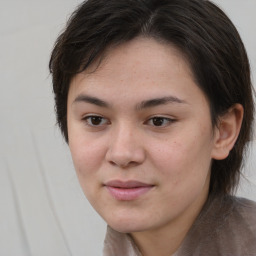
(87, 156)
(182, 174)
(87, 159)
(184, 159)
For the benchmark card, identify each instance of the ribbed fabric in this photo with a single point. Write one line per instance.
(226, 226)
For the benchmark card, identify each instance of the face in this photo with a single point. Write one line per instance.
(140, 136)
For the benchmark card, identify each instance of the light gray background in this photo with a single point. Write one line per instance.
(43, 211)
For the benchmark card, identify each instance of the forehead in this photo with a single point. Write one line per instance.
(141, 66)
(141, 50)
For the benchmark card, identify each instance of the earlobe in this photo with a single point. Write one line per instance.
(227, 132)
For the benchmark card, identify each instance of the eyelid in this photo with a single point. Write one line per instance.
(170, 120)
(167, 121)
(88, 116)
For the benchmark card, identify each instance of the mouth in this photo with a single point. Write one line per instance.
(127, 190)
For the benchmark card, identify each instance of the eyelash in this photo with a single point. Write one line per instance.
(91, 118)
(164, 121)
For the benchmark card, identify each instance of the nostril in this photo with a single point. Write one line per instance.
(123, 165)
(112, 163)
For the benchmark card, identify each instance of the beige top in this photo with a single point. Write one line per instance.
(225, 227)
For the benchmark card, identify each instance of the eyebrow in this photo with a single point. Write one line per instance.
(159, 101)
(91, 100)
(144, 104)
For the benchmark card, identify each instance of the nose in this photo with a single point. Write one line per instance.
(125, 148)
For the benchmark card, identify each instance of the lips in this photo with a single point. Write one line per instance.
(127, 190)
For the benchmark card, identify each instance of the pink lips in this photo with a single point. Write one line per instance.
(129, 190)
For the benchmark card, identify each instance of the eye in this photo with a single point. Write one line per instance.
(160, 121)
(94, 120)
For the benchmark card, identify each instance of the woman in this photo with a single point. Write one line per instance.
(155, 101)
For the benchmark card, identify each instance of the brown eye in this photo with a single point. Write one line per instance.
(159, 121)
(95, 120)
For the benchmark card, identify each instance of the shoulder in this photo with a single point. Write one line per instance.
(243, 217)
(245, 209)
(245, 206)
(239, 229)
(226, 226)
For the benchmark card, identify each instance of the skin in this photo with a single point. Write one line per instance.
(173, 153)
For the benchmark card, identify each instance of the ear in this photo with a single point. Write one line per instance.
(227, 131)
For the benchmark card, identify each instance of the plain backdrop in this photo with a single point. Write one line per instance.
(43, 211)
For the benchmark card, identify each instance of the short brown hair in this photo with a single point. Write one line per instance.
(198, 28)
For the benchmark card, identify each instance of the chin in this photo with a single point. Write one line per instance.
(127, 229)
(126, 225)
